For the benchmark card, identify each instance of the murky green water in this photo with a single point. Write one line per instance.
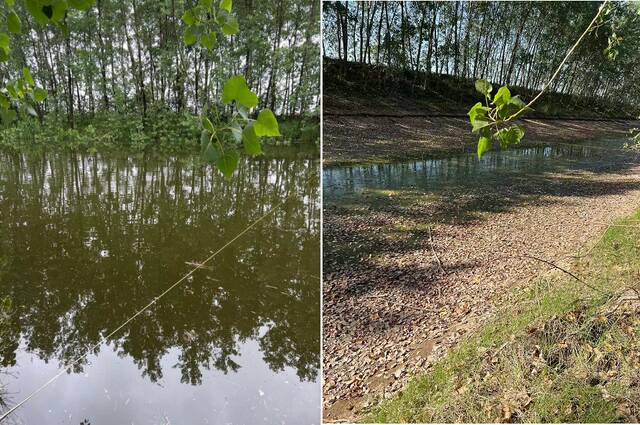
(466, 172)
(86, 241)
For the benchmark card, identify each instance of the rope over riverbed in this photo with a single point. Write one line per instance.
(125, 323)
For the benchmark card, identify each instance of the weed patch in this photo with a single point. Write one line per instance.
(563, 353)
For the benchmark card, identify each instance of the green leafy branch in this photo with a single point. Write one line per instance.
(614, 40)
(19, 96)
(220, 139)
(491, 120)
(201, 22)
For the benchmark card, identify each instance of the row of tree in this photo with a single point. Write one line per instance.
(129, 56)
(515, 43)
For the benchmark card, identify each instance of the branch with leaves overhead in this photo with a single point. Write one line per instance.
(495, 114)
(19, 96)
(493, 119)
(220, 139)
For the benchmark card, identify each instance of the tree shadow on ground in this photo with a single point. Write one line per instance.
(396, 204)
(374, 238)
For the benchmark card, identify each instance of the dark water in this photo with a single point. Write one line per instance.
(86, 241)
(468, 172)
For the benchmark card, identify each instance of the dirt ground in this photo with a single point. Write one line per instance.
(407, 276)
(375, 138)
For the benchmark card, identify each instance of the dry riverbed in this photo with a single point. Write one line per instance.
(370, 138)
(409, 274)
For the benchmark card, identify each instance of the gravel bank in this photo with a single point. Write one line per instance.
(353, 139)
(408, 275)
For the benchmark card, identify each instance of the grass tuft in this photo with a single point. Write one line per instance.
(562, 353)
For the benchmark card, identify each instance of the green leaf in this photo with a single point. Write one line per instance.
(212, 153)
(189, 17)
(236, 131)
(81, 4)
(35, 9)
(189, 37)
(39, 94)
(206, 123)
(510, 136)
(479, 124)
(59, 10)
(235, 88)
(5, 103)
(484, 87)
(30, 110)
(27, 76)
(10, 3)
(231, 88)
(5, 41)
(205, 138)
(250, 140)
(230, 27)
(209, 40)
(248, 98)
(477, 111)
(502, 97)
(226, 5)
(8, 116)
(13, 23)
(266, 124)
(12, 91)
(206, 4)
(484, 144)
(512, 107)
(228, 162)
(15, 90)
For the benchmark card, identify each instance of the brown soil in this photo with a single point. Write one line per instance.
(390, 309)
(375, 138)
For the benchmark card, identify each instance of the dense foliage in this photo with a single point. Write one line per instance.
(153, 63)
(130, 56)
(162, 132)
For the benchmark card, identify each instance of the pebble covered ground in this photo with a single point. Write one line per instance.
(407, 276)
(353, 139)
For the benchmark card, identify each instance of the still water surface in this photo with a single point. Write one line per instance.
(87, 240)
(466, 171)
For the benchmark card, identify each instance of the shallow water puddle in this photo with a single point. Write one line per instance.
(461, 171)
(87, 240)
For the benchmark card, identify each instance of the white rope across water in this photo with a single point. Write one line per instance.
(129, 320)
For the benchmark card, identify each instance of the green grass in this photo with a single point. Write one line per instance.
(562, 353)
(160, 132)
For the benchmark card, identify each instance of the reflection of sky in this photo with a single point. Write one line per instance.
(110, 392)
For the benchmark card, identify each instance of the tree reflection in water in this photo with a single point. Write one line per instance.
(87, 240)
